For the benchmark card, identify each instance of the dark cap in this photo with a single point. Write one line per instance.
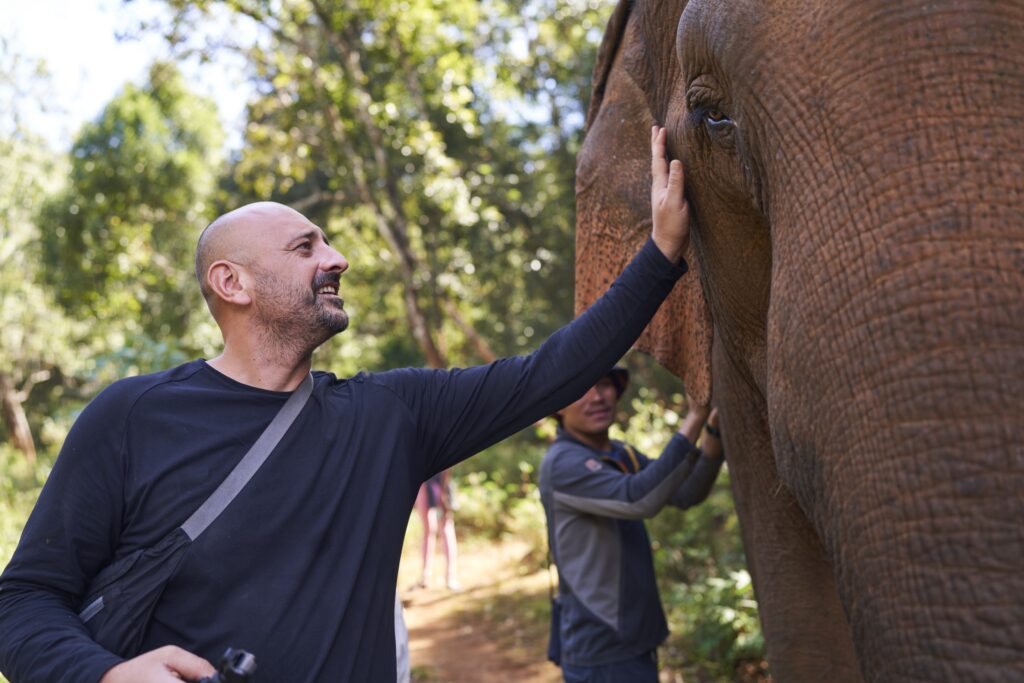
(619, 376)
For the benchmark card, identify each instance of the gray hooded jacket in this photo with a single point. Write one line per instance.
(595, 502)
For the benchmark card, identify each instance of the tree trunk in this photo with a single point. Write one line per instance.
(481, 346)
(15, 419)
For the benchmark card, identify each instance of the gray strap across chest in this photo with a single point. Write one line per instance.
(250, 462)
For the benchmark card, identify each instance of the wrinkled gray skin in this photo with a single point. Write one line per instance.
(855, 171)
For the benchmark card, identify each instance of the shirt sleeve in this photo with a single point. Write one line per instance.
(582, 483)
(460, 412)
(70, 535)
(698, 485)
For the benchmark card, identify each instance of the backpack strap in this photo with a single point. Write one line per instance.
(632, 467)
(632, 456)
(250, 462)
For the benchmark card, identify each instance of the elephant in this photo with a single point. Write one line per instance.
(855, 176)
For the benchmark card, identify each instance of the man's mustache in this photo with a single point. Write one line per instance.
(326, 279)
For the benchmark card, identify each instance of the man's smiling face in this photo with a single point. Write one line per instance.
(589, 418)
(297, 276)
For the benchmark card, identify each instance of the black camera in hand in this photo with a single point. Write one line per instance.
(236, 666)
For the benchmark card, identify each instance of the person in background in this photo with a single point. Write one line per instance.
(596, 493)
(434, 505)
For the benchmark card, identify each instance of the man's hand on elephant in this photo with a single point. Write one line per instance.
(696, 410)
(167, 664)
(712, 445)
(696, 414)
(670, 211)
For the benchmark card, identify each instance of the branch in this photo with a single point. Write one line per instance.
(316, 198)
(482, 348)
(30, 382)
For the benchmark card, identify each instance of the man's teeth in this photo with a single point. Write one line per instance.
(327, 289)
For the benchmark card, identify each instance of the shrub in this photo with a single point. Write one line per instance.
(19, 489)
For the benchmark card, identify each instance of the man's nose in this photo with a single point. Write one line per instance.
(334, 261)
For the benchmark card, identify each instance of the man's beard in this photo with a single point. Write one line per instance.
(296, 319)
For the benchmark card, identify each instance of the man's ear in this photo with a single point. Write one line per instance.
(227, 282)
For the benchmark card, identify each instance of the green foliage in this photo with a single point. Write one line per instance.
(483, 505)
(497, 489)
(716, 625)
(35, 344)
(19, 488)
(28, 317)
(489, 511)
(119, 239)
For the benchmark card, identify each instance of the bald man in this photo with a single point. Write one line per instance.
(300, 568)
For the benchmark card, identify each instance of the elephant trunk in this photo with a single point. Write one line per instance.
(917, 476)
(895, 391)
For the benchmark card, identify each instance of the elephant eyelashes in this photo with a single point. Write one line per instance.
(718, 123)
(715, 117)
(719, 127)
(703, 100)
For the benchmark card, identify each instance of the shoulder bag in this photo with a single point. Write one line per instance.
(121, 598)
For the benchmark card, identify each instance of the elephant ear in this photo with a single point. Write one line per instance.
(613, 207)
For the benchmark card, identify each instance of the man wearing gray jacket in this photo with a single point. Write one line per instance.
(596, 493)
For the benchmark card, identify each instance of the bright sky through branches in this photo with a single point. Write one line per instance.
(88, 64)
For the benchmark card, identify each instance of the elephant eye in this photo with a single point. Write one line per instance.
(716, 119)
(704, 99)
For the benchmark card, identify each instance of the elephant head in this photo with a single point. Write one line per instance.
(856, 176)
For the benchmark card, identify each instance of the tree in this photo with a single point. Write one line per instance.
(119, 240)
(35, 331)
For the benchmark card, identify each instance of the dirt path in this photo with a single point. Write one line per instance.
(493, 631)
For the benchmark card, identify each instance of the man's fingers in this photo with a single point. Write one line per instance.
(659, 167)
(186, 664)
(675, 178)
(669, 208)
(163, 665)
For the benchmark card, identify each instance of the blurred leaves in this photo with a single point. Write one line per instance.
(34, 343)
(119, 239)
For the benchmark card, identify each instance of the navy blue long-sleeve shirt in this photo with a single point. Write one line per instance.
(300, 569)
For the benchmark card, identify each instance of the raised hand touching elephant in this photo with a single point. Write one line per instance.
(854, 176)
(671, 211)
